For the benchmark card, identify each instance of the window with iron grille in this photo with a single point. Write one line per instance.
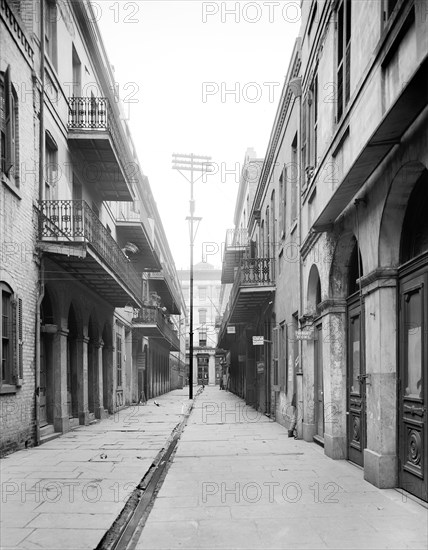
(343, 70)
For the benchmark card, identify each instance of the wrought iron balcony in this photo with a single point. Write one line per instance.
(254, 283)
(236, 243)
(163, 284)
(133, 225)
(71, 232)
(152, 322)
(94, 135)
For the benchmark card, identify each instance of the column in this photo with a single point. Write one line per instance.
(380, 456)
(60, 413)
(98, 379)
(334, 369)
(82, 379)
(107, 369)
(211, 370)
(307, 404)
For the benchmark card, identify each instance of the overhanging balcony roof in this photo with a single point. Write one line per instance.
(94, 137)
(163, 285)
(133, 230)
(151, 322)
(253, 286)
(236, 244)
(410, 103)
(75, 239)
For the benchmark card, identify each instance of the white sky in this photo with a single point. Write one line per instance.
(163, 53)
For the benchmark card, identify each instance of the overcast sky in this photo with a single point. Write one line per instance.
(174, 63)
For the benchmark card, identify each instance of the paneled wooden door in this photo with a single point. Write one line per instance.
(356, 384)
(413, 384)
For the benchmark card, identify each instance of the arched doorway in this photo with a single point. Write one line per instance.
(46, 385)
(355, 378)
(413, 344)
(313, 301)
(72, 379)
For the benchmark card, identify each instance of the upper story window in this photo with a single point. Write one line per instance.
(51, 31)
(294, 180)
(202, 316)
(283, 201)
(51, 167)
(9, 161)
(202, 293)
(313, 122)
(343, 69)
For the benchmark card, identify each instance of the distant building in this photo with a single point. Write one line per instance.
(206, 296)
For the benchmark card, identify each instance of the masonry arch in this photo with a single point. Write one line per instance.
(394, 211)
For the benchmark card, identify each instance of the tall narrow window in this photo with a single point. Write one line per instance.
(283, 199)
(202, 293)
(294, 180)
(77, 74)
(50, 31)
(51, 167)
(8, 127)
(313, 122)
(267, 243)
(11, 336)
(273, 225)
(202, 337)
(343, 76)
(202, 316)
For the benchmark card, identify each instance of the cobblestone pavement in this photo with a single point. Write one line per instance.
(238, 481)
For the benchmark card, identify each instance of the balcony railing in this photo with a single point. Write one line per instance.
(253, 272)
(256, 272)
(95, 113)
(75, 221)
(152, 315)
(237, 238)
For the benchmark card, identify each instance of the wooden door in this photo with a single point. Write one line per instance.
(412, 421)
(43, 417)
(356, 385)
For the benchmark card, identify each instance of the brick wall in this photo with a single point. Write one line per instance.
(18, 266)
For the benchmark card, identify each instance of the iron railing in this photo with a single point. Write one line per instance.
(152, 315)
(252, 272)
(237, 238)
(95, 113)
(75, 221)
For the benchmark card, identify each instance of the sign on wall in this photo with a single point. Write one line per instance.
(258, 340)
(231, 330)
(305, 334)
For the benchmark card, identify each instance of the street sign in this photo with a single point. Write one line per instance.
(305, 334)
(258, 340)
(231, 330)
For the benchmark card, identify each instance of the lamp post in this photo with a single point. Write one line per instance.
(191, 163)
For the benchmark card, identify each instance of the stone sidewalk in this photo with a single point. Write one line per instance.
(66, 493)
(238, 481)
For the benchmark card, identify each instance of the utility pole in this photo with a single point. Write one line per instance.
(192, 163)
